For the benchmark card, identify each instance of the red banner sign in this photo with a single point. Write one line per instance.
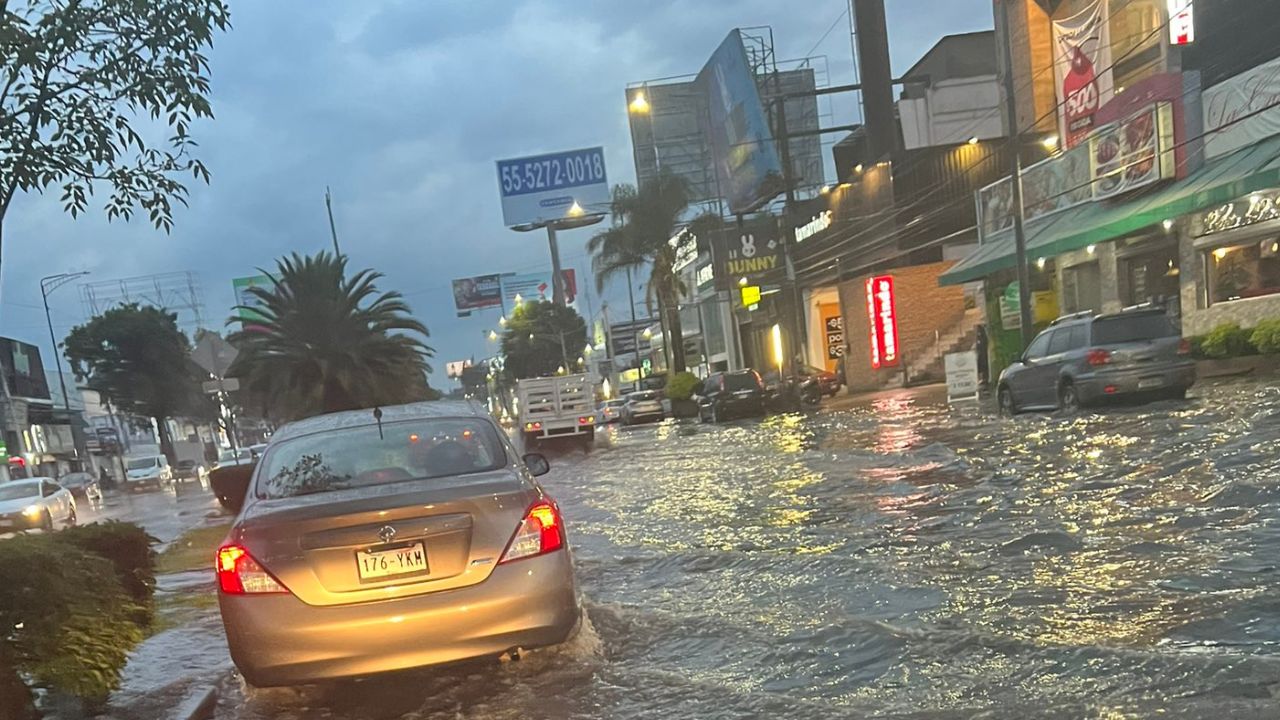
(882, 318)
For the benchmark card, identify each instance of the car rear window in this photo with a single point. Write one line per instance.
(741, 381)
(1132, 328)
(364, 456)
(643, 396)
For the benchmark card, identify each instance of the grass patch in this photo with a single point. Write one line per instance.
(193, 551)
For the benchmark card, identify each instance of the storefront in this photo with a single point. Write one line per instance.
(1235, 250)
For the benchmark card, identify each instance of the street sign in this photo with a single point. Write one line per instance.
(541, 188)
(962, 375)
(214, 354)
(213, 387)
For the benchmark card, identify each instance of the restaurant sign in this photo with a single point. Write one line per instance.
(882, 318)
(1256, 208)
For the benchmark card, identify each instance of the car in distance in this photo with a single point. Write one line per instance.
(35, 504)
(610, 411)
(828, 381)
(642, 406)
(83, 486)
(188, 470)
(147, 471)
(725, 395)
(1084, 359)
(375, 541)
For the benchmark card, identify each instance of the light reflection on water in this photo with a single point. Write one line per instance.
(904, 558)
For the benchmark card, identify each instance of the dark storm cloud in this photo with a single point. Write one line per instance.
(403, 106)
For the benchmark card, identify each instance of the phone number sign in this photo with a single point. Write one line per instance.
(541, 188)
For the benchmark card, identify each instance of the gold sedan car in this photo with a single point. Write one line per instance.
(373, 541)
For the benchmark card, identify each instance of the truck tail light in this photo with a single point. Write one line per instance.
(586, 420)
(1184, 347)
(540, 532)
(1098, 358)
(533, 426)
(240, 574)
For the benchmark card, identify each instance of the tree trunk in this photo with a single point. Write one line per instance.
(166, 440)
(15, 697)
(676, 339)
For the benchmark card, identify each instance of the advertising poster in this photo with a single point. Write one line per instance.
(1082, 69)
(537, 286)
(1133, 152)
(742, 146)
(246, 300)
(541, 188)
(477, 293)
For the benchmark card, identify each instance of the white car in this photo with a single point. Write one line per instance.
(35, 504)
(148, 471)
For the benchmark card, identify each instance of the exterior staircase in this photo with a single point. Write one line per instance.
(928, 365)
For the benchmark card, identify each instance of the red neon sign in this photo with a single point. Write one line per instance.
(882, 318)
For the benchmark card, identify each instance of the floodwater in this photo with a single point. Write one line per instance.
(899, 559)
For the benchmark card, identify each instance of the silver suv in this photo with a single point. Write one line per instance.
(1084, 358)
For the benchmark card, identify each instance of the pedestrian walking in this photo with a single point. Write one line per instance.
(980, 348)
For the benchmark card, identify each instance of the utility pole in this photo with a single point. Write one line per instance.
(1019, 232)
(788, 236)
(557, 278)
(333, 229)
(48, 285)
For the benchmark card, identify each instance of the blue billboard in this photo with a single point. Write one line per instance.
(541, 188)
(742, 146)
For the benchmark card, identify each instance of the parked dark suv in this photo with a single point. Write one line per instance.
(1084, 358)
(731, 394)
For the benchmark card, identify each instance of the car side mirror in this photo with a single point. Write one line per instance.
(231, 485)
(537, 464)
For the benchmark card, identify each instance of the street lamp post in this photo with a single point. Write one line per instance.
(47, 286)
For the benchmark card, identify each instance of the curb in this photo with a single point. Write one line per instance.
(199, 706)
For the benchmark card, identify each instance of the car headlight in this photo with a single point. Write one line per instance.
(31, 511)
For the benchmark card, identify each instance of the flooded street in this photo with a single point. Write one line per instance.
(899, 559)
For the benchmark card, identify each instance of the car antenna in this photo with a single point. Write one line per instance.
(377, 415)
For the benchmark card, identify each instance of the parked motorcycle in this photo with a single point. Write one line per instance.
(792, 393)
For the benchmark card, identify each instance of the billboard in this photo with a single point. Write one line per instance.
(752, 251)
(669, 135)
(477, 293)
(541, 188)
(882, 318)
(23, 370)
(1082, 69)
(537, 286)
(742, 148)
(247, 300)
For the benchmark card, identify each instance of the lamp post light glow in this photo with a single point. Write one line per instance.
(776, 335)
(639, 104)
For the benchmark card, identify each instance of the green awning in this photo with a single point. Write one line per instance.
(1220, 181)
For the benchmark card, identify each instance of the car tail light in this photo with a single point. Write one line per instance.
(1098, 357)
(240, 574)
(540, 532)
(1184, 347)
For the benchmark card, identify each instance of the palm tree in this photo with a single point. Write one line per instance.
(326, 342)
(643, 222)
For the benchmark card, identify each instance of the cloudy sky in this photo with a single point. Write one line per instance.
(402, 106)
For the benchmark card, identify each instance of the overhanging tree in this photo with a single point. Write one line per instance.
(139, 361)
(83, 86)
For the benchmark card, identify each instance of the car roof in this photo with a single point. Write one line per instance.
(28, 481)
(390, 414)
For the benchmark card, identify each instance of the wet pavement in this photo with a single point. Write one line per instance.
(165, 514)
(895, 558)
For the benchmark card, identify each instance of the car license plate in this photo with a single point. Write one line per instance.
(374, 564)
(1145, 383)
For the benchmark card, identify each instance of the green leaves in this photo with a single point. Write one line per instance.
(329, 342)
(76, 78)
(540, 338)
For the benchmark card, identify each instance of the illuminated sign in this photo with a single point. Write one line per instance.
(820, 222)
(750, 295)
(882, 317)
(705, 275)
(1182, 26)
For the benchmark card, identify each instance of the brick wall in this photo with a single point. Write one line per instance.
(923, 308)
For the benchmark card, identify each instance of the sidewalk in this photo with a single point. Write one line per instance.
(933, 394)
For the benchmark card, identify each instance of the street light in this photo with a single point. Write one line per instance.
(48, 285)
(639, 104)
(493, 335)
(502, 320)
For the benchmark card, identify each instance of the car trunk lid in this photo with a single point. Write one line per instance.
(314, 544)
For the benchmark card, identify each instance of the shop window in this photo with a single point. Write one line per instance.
(1244, 270)
(1152, 277)
(1081, 288)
